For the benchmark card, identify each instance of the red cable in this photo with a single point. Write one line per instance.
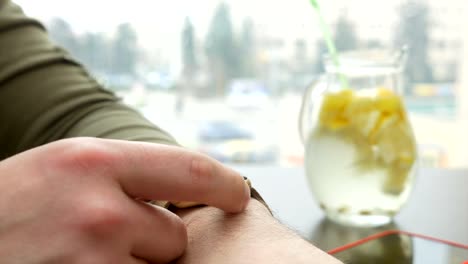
(390, 232)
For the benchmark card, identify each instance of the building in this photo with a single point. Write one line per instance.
(377, 21)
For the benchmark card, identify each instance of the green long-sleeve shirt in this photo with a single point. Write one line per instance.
(45, 95)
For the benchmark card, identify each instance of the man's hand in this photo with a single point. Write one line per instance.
(251, 237)
(73, 201)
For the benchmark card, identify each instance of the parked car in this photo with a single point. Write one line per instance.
(247, 94)
(228, 142)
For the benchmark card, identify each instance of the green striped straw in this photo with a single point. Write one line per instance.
(330, 45)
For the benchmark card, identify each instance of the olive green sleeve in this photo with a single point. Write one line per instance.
(45, 95)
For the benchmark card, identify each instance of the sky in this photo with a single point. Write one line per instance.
(159, 22)
(167, 17)
(87, 13)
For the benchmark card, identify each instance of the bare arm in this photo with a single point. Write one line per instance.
(250, 237)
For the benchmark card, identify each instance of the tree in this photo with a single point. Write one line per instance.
(188, 47)
(221, 49)
(345, 35)
(321, 50)
(189, 62)
(124, 51)
(95, 52)
(247, 49)
(413, 31)
(300, 55)
(61, 33)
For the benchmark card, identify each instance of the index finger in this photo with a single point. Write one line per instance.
(160, 172)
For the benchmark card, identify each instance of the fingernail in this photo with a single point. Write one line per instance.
(246, 195)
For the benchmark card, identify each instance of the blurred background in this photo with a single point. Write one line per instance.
(226, 77)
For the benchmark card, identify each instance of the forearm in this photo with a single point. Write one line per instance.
(250, 237)
(45, 95)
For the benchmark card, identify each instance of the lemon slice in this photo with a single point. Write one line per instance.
(375, 121)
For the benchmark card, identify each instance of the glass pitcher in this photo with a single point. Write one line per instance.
(360, 150)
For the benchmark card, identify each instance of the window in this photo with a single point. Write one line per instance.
(226, 78)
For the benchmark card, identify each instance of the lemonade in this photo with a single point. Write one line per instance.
(360, 153)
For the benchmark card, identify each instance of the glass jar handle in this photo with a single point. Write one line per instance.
(302, 116)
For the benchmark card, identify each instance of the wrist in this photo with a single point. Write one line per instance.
(201, 217)
(251, 236)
